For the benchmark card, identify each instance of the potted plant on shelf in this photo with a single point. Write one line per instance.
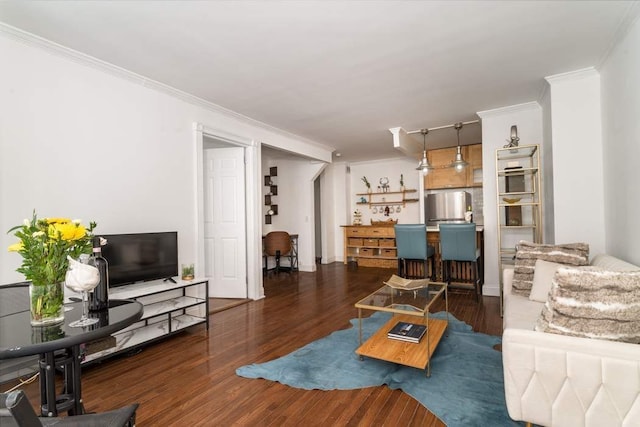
(366, 182)
(44, 246)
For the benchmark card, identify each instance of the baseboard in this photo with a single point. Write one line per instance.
(491, 290)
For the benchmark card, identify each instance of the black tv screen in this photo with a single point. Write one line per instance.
(141, 257)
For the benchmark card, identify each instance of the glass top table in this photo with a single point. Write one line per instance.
(404, 301)
(407, 305)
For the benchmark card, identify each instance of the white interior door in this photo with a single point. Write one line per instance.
(225, 222)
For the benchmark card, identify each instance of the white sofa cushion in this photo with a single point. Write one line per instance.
(562, 381)
(520, 312)
(542, 277)
(609, 262)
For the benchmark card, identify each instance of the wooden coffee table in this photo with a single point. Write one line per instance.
(407, 306)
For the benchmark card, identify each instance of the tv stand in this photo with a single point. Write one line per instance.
(170, 307)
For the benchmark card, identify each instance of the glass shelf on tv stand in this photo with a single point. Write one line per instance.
(168, 308)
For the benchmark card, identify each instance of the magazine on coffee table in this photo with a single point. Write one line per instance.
(404, 331)
(398, 282)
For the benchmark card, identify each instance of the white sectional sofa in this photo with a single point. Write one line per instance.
(558, 380)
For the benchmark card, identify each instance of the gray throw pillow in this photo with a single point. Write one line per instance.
(591, 302)
(527, 253)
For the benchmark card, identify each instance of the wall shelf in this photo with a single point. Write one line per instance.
(373, 199)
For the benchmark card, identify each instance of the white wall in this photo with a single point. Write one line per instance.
(577, 159)
(390, 168)
(548, 208)
(621, 142)
(496, 127)
(336, 190)
(77, 140)
(295, 203)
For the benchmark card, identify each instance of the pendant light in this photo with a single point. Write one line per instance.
(424, 165)
(459, 164)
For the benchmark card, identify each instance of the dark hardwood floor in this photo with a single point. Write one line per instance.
(190, 380)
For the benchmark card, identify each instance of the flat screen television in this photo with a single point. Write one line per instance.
(141, 257)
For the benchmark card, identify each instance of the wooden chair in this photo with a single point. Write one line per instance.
(277, 244)
(16, 410)
(458, 243)
(413, 252)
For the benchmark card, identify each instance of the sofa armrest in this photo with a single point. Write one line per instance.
(507, 280)
(559, 380)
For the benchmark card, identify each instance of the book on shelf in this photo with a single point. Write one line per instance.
(398, 282)
(404, 331)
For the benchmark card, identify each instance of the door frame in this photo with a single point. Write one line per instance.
(255, 289)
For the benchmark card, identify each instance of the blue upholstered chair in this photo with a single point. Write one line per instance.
(458, 243)
(413, 251)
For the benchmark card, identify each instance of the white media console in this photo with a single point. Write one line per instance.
(168, 308)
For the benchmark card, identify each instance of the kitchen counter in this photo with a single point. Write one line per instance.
(435, 228)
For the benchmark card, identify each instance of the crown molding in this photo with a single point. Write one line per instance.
(518, 108)
(33, 40)
(582, 73)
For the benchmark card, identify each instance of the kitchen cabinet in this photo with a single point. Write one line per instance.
(444, 176)
(474, 170)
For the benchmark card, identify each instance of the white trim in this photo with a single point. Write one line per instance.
(527, 106)
(573, 75)
(255, 288)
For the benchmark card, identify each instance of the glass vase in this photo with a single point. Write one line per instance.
(47, 304)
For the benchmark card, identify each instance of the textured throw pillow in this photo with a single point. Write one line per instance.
(591, 302)
(542, 276)
(527, 253)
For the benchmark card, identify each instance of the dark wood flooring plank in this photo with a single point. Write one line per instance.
(189, 379)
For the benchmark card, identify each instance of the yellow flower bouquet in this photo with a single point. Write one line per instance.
(44, 246)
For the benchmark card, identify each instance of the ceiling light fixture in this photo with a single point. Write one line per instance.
(424, 165)
(458, 164)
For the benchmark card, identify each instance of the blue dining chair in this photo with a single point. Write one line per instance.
(458, 243)
(411, 244)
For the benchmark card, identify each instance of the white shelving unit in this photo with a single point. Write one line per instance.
(168, 308)
(519, 201)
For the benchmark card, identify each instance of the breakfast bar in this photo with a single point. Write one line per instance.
(375, 246)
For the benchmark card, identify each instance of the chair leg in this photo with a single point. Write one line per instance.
(476, 280)
(277, 262)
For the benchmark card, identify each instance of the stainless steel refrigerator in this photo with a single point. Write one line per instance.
(447, 206)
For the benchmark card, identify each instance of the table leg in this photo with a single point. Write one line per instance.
(73, 383)
(48, 385)
(70, 399)
(360, 329)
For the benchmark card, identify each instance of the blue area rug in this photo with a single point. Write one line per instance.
(466, 387)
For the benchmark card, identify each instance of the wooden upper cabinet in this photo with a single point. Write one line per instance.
(474, 170)
(443, 176)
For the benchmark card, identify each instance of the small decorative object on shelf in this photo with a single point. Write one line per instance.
(468, 215)
(401, 182)
(188, 271)
(384, 184)
(367, 183)
(357, 217)
(44, 246)
(388, 223)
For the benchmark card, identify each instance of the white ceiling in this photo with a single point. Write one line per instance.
(341, 73)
